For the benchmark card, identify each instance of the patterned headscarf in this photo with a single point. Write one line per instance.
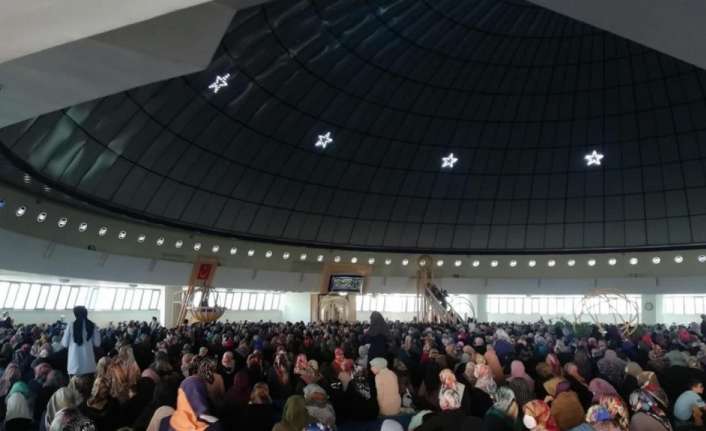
(600, 387)
(643, 401)
(610, 410)
(450, 392)
(538, 416)
(503, 398)
(484, 379)
(612, 367)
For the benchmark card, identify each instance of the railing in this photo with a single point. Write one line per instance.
(445, 314)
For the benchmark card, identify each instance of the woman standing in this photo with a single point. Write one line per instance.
(80, 338)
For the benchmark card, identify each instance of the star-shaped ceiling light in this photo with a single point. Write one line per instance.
(593, 159)
(448, 161)
(324, 140)
(220, 82)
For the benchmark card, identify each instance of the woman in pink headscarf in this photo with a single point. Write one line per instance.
(553, 361)
(451, 391)
(517, 371)
(338, 360)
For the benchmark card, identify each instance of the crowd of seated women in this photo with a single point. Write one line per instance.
(377, 375)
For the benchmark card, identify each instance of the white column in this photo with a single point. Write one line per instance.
(481, 310)
(649, 308)
(169, 309)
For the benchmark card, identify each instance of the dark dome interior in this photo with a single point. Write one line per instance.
(517, 93)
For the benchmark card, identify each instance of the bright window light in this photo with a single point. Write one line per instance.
(285, 255)
(591, 262)
(571, 262)
(371, 260)
(179, 243)
(476, 263)
(251, 252)
(302, 256)
(197, 246)
(320, 258)
(405, 262)
(513, 263)
(216, 248)
(494, 263)
(233, 250)
(122, 234)
(62, 222)
(458, 263)
(532, 263)
(440, 263)
(551, 263)
(612, 261)
(337, 259)
(268, 254)
(388, 261)
(354, 259)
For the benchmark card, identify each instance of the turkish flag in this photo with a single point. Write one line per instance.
(204, 271)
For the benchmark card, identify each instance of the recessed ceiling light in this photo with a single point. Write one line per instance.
(337, 259)
(701, 258)
(678, 259)
(532, 263)
(591, 262)
(656, 260)
(513, 263)
(633, 261)
(160, 241)
(371, 260)
(593, 159)
(405, 262)
(197, 246)
(41, 217)
(27, 179)
(122, 234)
(46, 188)
(82, 227)
(141, 238)
(179, 243)
(285, 255)
(251, 252)
(440, 263)
(62, 222)
(320, 258)
(220, 82)
(102, 231)
(233, 250)
(216, 248)
(354, 259)
(612, 261)
(449, 161)
(324, 140)
(302, 256)
(458, 263)
(476, 263)
(494, 263)
(551, 263)
(388, 261)
(423, 262)
(21, 210)
(268, 254)
(571, 262)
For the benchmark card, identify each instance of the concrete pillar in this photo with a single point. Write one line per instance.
(650, 307)
(170, 306)
(481, 308)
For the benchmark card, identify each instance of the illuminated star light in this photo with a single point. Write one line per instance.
(448, 161)
(594, 158)
(324, 140)
(220, 82)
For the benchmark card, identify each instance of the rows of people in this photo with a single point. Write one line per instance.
(388, 376)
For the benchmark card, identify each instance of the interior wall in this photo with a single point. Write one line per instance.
(100, 318)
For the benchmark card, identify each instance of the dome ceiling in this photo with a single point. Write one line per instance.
(518, 94)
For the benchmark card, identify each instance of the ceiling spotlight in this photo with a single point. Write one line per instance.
(405, 262)
(591, 262)
(27, 179)
(494, 263)
(141, 238)
(593, 159)
(268, 254)
(82, 227)
(102, 231)
(388, 261)
(458, 263)
(551, 263)
(320, 258)
(371, 260)
(220, 82)
(216, 248)
(285, 255)
(337, 259)
(354, 259)
(324, 140)
(532, 263)
(633, 261)
(179, 243)
(160, 241)
(440, 263)
(122, 234)
(448, 161)
(233, 250)
(612, 261)
(513, 263)
(251, 252)
(197, 246)
(678, 259)
(21, 210)
(476, 263)
(62, 222)
(656, 260)
(302, 256)
(46, 188)
(571, 262)
(423, 262)
(701, 258)
(41, 217)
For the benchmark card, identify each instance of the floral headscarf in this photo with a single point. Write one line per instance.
(610, 413)
(600, 387)
(484, 379)
(450, 392)
(643, 401)
(538, 416)
(301, 365)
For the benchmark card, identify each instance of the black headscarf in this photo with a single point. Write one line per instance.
(82, 319)
(378, 326)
